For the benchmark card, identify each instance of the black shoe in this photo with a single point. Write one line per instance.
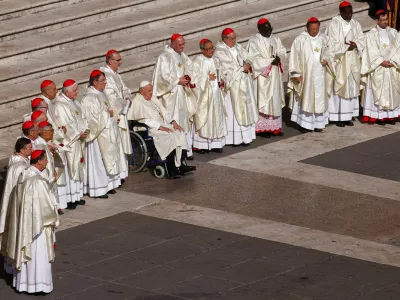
(112, 192)
(235, 145)
(71, 205)
(318, 130)
(279, 134)
(203, 151)
(173, 175)
(340, 124)
(103, 197)
(122, 181)
(245, 145)
(303, 130)
(60, 212)
(80, 202)
(380, 122)
(391, 122)
(349, 123)
(184, 169)
(190, 158)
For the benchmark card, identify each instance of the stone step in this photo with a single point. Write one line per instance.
(18, 8)
(69, 59)
(151, 15)
(140, 67)
(66, 16)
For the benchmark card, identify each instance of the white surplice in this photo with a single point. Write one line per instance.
(68, 113)
(268, 85)
(153, 114)
(382, 95)
(241, 104)
(309, 98)
(178, 100)
(33, 216)
(210, 119)
(343, 102)
(103, 145)
(16, 166)
(117, 93)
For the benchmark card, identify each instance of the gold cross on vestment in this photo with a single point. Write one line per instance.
(180, 65)
(77, 112)
(316, 49)
(385, 45)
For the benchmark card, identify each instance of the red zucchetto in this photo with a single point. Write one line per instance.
(36, 102)
(35, 154)
(344, 4)
(95, 73)
(27, 125)
(175, 36)
(46, 83)
(262, 21)
(35, 115)
(227, 31)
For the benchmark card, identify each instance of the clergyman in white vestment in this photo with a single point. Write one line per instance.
(210, 119)
(241, 102)
(169, 138)
(34, 217)
(308, 91)
(347, 42)
(68, 114)
(18, 162)
(380, 70)
(103, 142)
(266, 55)
(119, 97)
(172, 85)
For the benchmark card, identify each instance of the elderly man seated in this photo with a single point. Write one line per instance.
(169, 138)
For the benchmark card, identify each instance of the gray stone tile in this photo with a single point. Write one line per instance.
(209, 262)
(273, 252)
(112, 291)
(165, 252)
(377, 158)
(75, 257)
(383, 294)
(67, 283)
(158, 277)
(250, 271)
(122, 243)
(114, 268)
(199, 288)
(207, 239)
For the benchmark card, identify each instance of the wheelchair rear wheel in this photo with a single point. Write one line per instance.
(139, 155)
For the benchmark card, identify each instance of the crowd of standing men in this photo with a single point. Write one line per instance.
(224, 96)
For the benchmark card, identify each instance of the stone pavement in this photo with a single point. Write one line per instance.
(313, 216)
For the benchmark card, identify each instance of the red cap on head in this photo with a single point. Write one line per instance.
(262, 21)
(379, 12)
(43, 124)
(95, 73)
(204, 41)
(27, 125)
(35, 115)
(344, 4)
(46, 83)
(175, 36)
(227, 31)
(313, 19)
(35, 154)
(68, 82)
(36, 102)
(110, 52)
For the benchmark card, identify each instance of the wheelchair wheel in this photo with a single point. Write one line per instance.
(159, 172)
(139, 155)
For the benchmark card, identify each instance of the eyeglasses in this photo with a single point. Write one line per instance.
(209, 49)
(43, 107)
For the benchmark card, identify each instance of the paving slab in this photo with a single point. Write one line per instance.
(233, 271)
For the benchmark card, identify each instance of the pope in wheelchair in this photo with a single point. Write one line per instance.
(168, 137)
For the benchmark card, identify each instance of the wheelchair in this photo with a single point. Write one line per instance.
(144, 152)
